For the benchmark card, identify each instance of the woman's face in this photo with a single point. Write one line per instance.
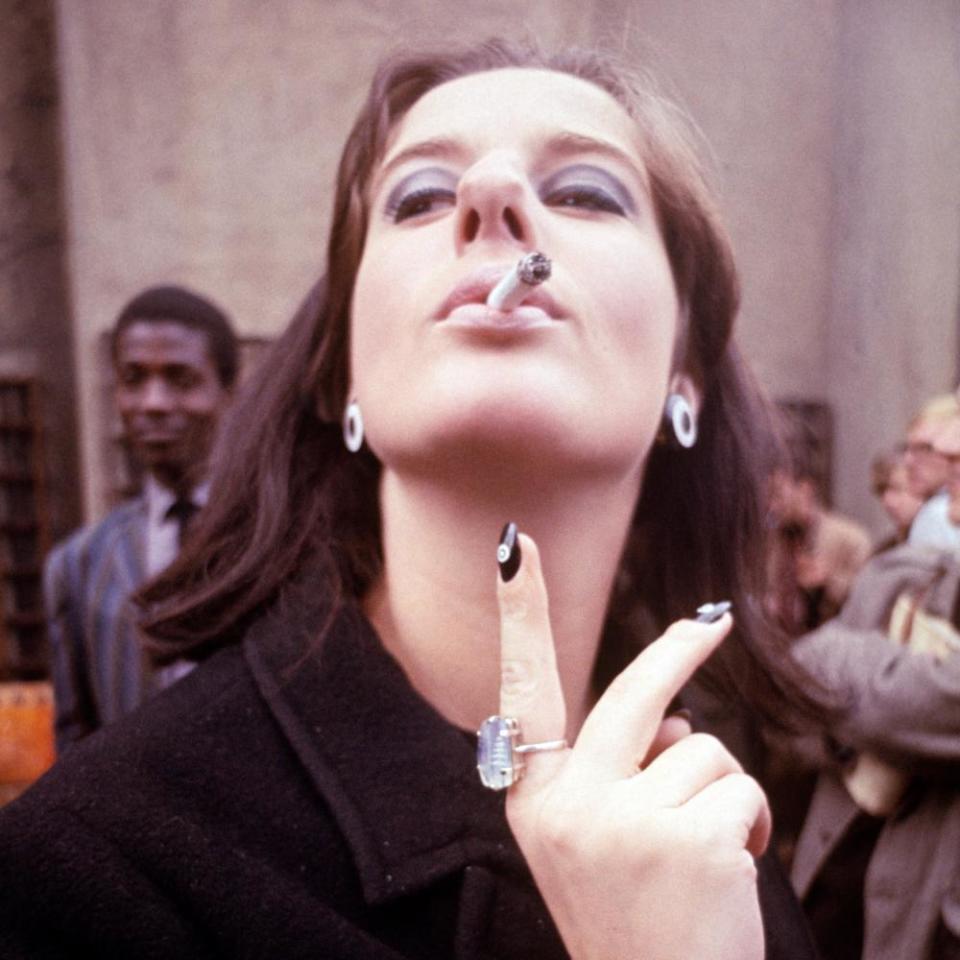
(482, 170)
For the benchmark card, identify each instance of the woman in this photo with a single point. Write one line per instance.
(310, 789)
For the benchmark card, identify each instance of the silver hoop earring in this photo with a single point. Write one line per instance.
(679, 423)
(353, 427)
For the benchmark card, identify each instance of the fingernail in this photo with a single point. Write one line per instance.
(712, 612)
(682, 713)
(508, 553)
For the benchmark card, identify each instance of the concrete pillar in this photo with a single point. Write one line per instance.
(36, 329)
(892, 335)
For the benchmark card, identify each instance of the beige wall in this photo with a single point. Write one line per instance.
(759, 79)
(895, 297)
(201, 139)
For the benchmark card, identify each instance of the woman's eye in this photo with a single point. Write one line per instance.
(419, 202)
(422, 192)
(590, 188)
(584, 197)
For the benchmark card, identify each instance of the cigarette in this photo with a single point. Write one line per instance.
(515, 287)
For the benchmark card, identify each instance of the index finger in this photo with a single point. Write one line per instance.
(530, 689)
(621, 727)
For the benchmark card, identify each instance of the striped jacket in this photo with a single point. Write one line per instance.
(98, 665)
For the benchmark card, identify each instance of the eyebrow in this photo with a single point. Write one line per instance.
(567, 144)
(436, 148)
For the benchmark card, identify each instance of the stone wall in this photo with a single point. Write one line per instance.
(201, 140)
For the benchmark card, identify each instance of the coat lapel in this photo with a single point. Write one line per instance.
(117, 568)
(401, 781)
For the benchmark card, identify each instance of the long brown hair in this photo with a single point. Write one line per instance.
(287, 497)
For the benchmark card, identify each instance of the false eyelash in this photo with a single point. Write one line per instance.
(597, 199)
(399, 209)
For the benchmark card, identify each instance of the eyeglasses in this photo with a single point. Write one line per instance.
(919, 448)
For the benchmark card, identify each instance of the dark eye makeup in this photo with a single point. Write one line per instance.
(580, 186)
(422, 192)
(587, 187)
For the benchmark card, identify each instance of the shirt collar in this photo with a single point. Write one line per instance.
(160, 498)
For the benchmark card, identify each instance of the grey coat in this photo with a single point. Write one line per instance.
(904, 707)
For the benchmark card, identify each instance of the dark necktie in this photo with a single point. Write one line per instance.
(182, 510)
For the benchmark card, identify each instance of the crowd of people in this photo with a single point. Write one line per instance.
(270, 666)
(870, 811)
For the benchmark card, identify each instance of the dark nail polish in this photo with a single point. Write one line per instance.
(712, 612)
(508, 553)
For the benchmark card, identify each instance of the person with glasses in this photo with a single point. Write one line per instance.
(927, 473)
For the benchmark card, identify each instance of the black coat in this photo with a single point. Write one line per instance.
(282, 804)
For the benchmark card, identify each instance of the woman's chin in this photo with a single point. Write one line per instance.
(488, 441)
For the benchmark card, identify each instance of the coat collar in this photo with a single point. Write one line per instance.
(400, 780)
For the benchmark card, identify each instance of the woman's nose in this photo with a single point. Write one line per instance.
(493, 201)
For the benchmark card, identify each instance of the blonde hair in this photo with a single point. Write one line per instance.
(939, 409)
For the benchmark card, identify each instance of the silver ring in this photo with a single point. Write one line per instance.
(500, 753)
(539, 747)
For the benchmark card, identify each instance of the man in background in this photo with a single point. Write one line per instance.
(927, 473)
(175, 360)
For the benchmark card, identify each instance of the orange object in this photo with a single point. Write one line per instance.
(26, 732)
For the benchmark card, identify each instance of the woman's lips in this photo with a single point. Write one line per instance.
(466, 303)
(524, 316)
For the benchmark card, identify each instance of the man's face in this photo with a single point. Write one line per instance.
(947, 444)
(926, 469)
(169, 398)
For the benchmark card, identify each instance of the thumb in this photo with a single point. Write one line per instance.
(530, 689)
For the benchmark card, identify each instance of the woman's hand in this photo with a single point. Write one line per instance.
(641, 837)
